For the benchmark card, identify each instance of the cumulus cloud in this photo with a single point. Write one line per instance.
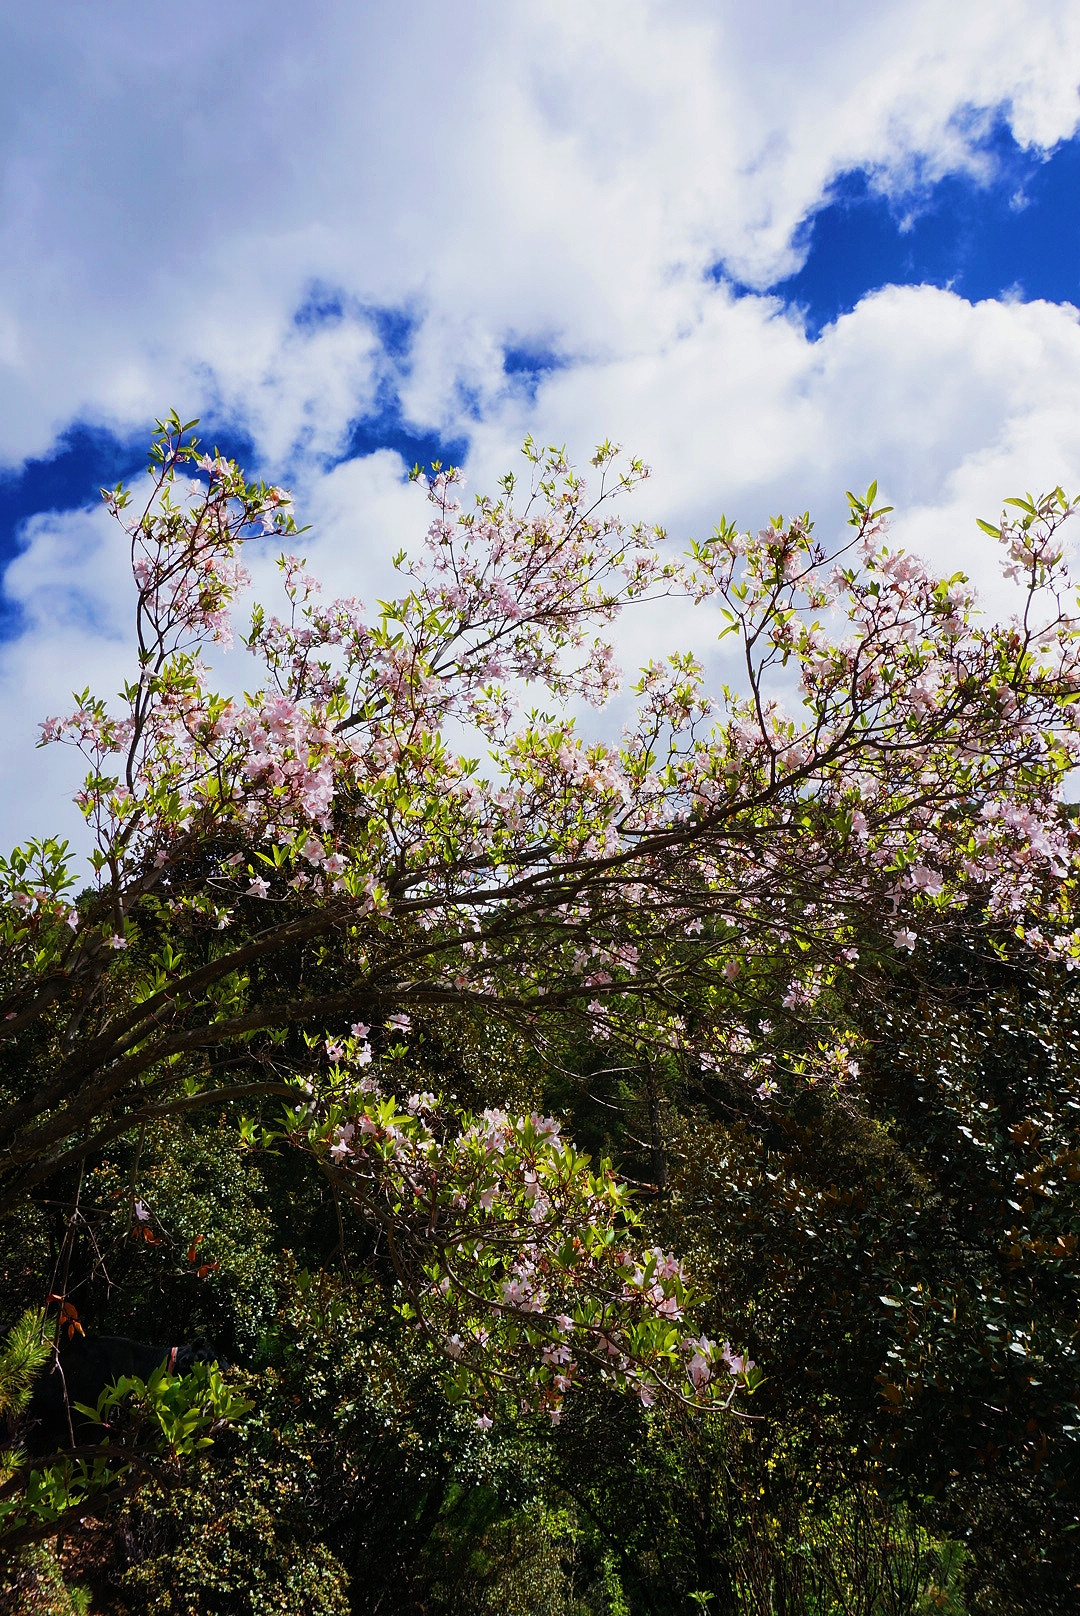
(72, 594)
(170, 194)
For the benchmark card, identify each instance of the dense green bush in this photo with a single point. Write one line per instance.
(852, 1239)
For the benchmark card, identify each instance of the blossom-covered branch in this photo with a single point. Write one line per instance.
(514, 1254)
(390, 826)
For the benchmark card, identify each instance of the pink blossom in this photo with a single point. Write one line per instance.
(669, 1308)
(926, 880)
(341, 1148)
(737, 1364)
(699, 1371)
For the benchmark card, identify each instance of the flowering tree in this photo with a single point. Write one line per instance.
(724, 845)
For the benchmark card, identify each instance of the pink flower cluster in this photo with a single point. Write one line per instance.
(513, 1233)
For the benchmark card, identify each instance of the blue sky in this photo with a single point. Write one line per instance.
(1013, 233)
(777, 250)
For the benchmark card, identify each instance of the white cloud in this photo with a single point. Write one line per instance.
(168, 193)
(73, 594)
(741, 413)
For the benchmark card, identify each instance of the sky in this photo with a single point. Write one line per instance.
(776, 250)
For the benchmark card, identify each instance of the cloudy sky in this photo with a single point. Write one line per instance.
(776, 249)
